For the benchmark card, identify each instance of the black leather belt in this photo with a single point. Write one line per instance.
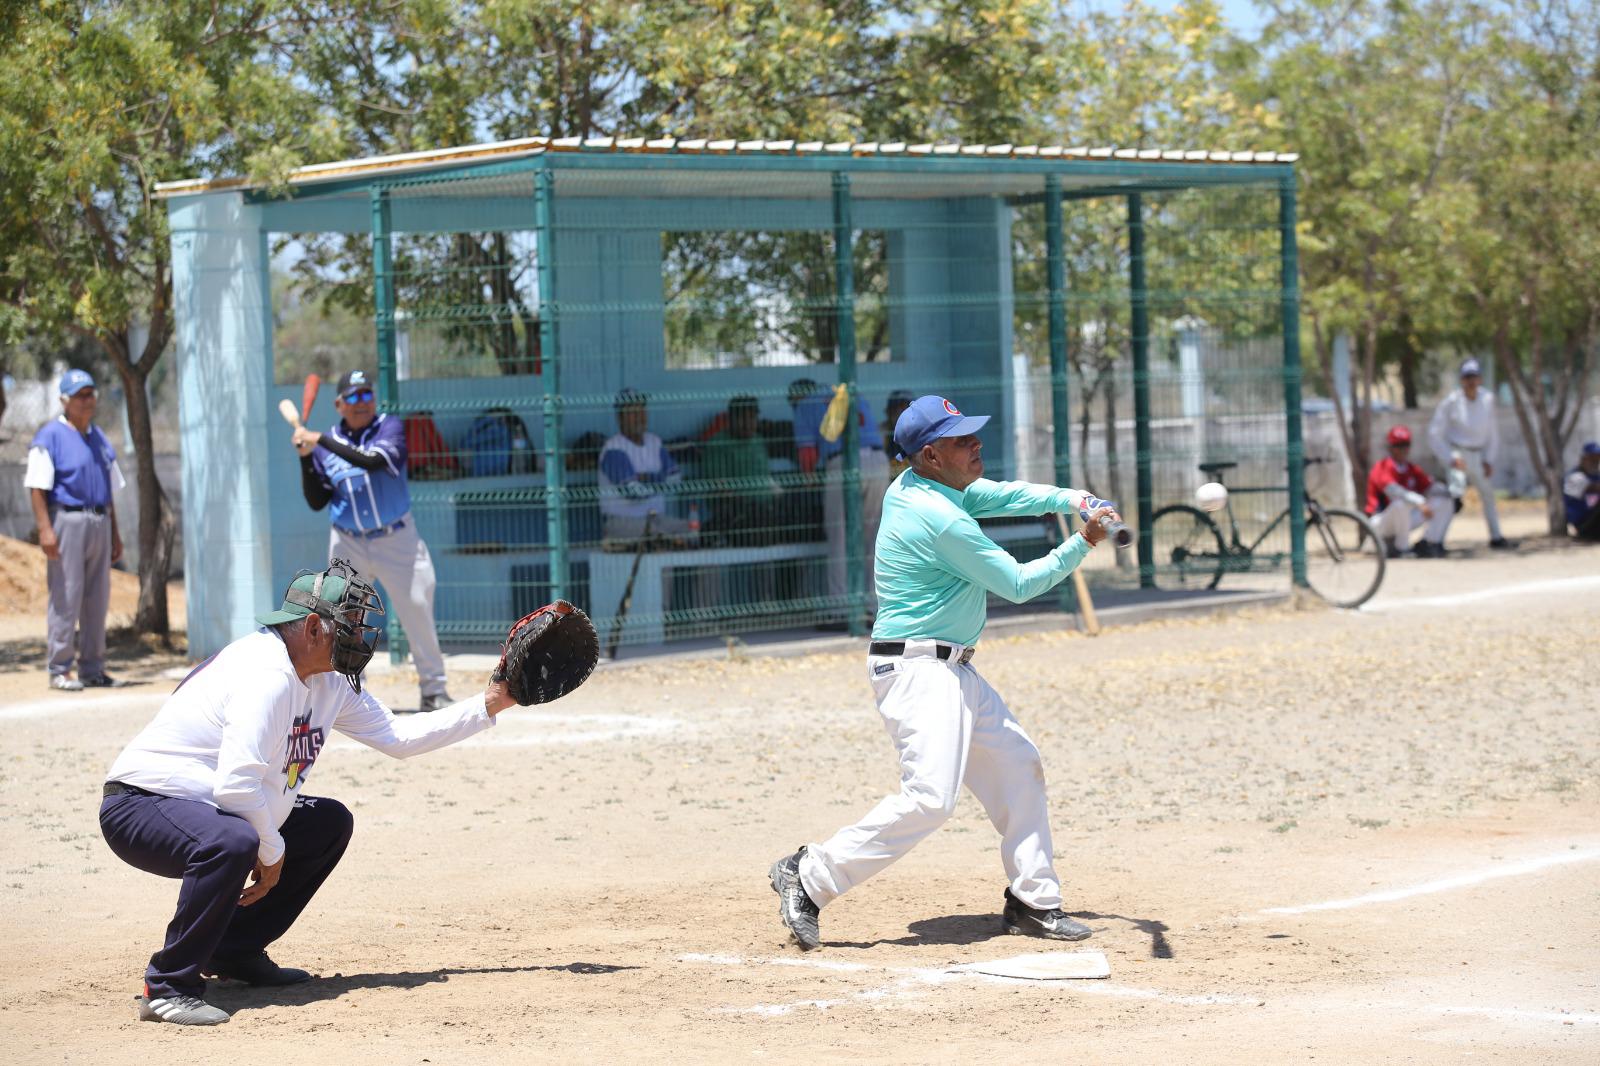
(74, 508)
(117, 788)
(381, 531)
(898, 647)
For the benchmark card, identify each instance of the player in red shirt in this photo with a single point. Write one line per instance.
(1401, 497)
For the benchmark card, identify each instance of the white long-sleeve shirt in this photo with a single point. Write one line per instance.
(1459, 423)
(242, 733)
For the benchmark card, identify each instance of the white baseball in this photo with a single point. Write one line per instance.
(1211, 496)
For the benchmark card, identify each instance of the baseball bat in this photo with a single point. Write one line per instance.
(627, 591)
(290, 415)
(308, 396)
(1091, 624)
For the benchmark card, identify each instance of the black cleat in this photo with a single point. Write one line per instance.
(794, 906)
(437, 702)
(99, 681)
(1501, 544)
(1023, 920)
(259, 970)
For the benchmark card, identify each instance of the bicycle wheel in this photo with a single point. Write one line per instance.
(1187, 548)
(1344, 559)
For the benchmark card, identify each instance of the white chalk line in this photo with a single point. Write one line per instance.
(1444, 884)
(1524, 588)
(534, 730)
(62, 705)
(913, 981)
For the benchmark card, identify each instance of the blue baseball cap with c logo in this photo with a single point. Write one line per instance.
(930, 418)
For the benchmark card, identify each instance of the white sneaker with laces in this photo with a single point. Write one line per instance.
(180, 1010)
(63, 683)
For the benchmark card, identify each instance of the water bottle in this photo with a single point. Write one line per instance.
(521, 454)
(694, 523)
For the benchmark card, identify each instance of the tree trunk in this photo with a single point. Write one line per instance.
(1529, 415)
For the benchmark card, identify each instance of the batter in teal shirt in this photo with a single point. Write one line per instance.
(936, 565)
(951, 728)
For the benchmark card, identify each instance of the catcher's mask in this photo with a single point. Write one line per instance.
(339, 596)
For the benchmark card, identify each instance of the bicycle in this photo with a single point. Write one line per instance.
(1344, 559)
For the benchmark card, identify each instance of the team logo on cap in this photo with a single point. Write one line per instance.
(950, 408)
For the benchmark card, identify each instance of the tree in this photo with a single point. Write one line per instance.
(1527, 254)
(98, 102)
(1372, 95)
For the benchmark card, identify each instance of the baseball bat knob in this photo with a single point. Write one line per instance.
(1118, 532)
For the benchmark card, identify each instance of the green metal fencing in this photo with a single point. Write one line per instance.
(553, 329)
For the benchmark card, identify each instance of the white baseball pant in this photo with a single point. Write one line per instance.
(1472, 459)
(1396, 521)
(949, 727)
(400, 561)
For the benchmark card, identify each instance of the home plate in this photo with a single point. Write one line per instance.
(1045, 966)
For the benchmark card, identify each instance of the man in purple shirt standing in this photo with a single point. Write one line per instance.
(71, 470)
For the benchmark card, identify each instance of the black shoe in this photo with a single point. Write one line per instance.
(1023, 920)
(1501, 544)
(1391, 550)
(99, 681)
(436, 702)
(794, 906)
(257, 970)
(1427, 549)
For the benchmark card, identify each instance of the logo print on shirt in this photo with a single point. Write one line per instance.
(951, 408)
(305, 744)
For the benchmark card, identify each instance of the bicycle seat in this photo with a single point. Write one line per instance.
(1213, 468)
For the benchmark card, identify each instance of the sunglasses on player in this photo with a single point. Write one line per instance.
(359, 396)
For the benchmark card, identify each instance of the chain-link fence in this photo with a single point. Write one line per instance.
(667, 394)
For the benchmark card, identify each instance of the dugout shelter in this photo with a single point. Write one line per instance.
(1124, 314)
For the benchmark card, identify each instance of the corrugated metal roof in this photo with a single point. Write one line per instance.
(528, 146)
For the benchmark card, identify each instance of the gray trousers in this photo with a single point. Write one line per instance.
(80, 592)
(400, 561)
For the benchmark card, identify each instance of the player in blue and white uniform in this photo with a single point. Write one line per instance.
(357, 469)
(1580, 492)
(634, 467)
(72, 470)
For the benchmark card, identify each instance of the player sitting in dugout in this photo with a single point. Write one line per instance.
(211, 791)
(1401, 497)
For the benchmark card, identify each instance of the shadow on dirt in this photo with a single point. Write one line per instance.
(233, 997)
(1157, 930)
(951, 929)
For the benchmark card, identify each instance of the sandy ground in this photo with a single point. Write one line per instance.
(587, 882)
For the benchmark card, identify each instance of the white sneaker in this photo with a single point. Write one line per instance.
(64, 683)
(180, 1010)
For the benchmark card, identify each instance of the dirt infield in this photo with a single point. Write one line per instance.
(1298, 834)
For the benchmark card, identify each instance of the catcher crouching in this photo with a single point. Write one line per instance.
(211, 791)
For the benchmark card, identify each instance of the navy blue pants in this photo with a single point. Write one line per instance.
(213, 853)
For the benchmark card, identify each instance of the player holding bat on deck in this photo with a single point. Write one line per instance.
(935, 568)
(357, 469)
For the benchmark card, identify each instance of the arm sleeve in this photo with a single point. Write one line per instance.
(618, 470)
(363, 717)
(965, 551)
(253, 720)
(316, 490)
(1396, 491)
(41, 473)
(366, 460)
(1438, 432)
(1491, 449)
(991, 499)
